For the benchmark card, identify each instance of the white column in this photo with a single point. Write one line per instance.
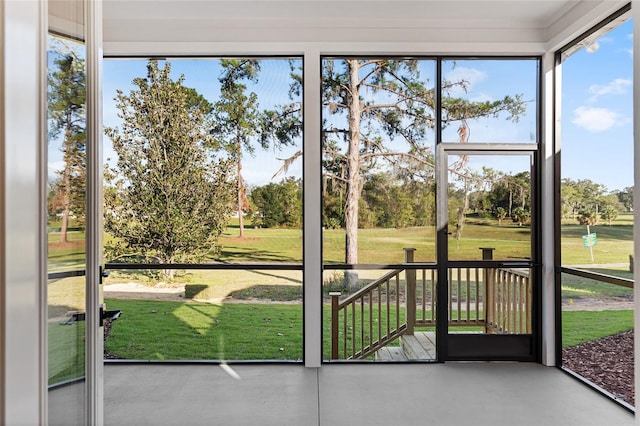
(95, 333)
(23, 373)
(312, 212)
(548, 211)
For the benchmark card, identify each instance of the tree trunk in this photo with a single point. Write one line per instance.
(467, 186)
(240, 192)
(66, 184)
(64, 226)
(510, 201)
(353, 175)
(167, 274)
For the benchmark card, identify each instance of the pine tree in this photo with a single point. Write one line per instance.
(237, 119)
(67, 119)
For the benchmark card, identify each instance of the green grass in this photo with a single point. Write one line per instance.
(66, 351)
(65, 295)
(578, 287)
(615, 243)
(178, 330)
(254, 331)
(583, 326)
(193, 331)
(66, 343)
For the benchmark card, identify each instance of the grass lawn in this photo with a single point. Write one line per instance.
(578, 287)
(191, 331)
(66, 343)
(66, 351)
(265, 331)
(615, 243)
(180, 330)
(583, 326)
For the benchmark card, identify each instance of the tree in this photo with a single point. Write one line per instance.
(609, 213)
(371, 105)
(170, 193)
(501, 213)
(587, 216)
(609, 206)
(67, 119)
(520, 216)
(373, 101)
(581, 195)
(625, 196)
(237, 119)
(278, 204)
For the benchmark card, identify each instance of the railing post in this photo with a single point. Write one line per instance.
(489, 291)
(335, 296)
(410, 296)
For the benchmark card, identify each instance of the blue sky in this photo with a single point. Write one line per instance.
(596, 106)
(202, 74)
(486, 80)
(597, 112)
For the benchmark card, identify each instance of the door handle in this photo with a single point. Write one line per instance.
(74, 316)
(105, 314)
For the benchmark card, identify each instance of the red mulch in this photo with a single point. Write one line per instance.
(607, 362)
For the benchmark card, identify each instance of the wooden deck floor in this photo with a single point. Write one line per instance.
(421, 346)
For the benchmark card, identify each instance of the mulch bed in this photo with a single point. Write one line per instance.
(607, 362)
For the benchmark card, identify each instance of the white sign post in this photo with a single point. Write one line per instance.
(589, 241)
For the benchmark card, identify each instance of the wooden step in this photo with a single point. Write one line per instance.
(417, 348)
(428, 342)
(390, 353)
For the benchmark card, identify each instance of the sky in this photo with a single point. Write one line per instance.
(485, 81)
(202, 74)
(597, 140)
(597, 111)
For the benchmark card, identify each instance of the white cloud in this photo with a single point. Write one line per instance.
(618, 86)
(597, 119)
(482, 97)
(471, 76)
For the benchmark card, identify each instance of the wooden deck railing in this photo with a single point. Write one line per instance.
(367, 320)
(509, 297)
(496, 299)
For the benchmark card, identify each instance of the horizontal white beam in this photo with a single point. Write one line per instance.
(328, 48)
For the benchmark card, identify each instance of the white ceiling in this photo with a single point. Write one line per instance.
(531, 26)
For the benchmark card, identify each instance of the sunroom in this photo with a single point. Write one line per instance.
(318, 212)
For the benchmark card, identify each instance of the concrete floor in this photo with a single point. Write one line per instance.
(356, 394)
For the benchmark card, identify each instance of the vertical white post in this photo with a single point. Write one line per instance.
(548, 155)
(23, 354)
(312, 212)
(94, 333)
